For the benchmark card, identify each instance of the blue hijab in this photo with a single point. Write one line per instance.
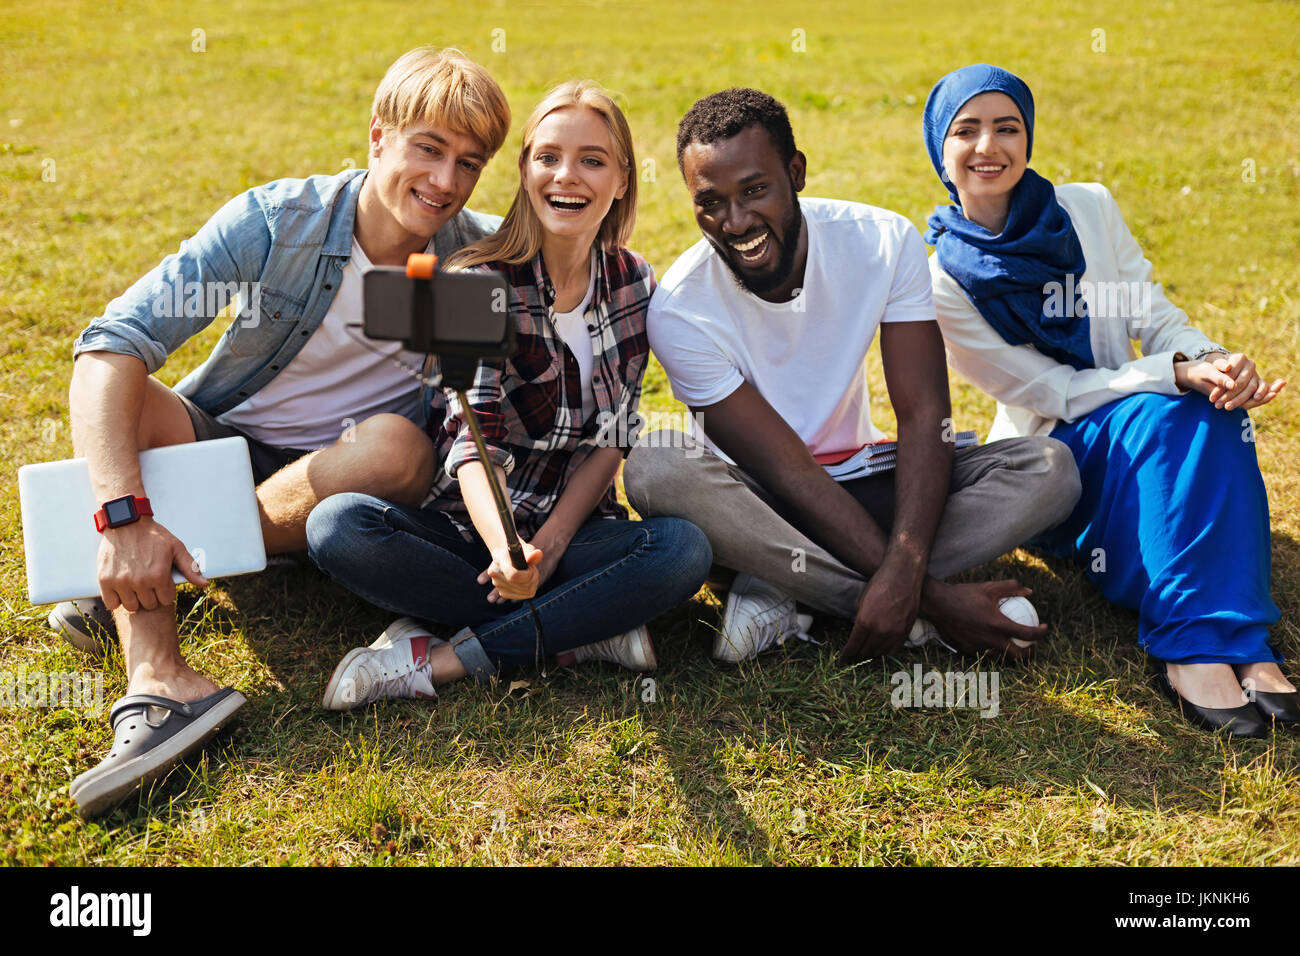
(1015, 279)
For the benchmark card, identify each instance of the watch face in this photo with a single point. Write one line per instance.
(120, 511)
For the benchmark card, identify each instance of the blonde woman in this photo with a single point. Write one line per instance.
(552, 416)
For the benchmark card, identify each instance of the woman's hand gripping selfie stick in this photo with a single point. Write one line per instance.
(458, 374)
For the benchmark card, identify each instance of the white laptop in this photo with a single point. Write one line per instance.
(201, 492)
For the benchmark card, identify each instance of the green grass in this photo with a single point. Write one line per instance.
(792, 759)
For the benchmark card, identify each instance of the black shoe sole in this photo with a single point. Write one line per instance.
(80, 633)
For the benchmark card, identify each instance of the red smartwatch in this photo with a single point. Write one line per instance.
(120, 511)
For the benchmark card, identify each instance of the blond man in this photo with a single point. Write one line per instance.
(323, 410)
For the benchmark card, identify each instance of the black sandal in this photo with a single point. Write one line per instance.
(146, 746)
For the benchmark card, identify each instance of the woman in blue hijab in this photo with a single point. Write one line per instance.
(1041, 292)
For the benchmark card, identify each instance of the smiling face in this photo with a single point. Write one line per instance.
(984, 153)
(572, 172)
(422, 177)
(747, 204)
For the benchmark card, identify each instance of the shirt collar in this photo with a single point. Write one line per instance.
(338, 241)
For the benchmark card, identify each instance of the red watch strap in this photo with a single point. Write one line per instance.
(142, 508)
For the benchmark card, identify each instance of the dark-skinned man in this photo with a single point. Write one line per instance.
(763, 328)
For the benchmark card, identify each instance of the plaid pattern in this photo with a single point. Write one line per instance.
(529, 406)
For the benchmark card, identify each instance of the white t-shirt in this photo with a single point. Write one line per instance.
(806, 357)
(572, 327)
(338, 379)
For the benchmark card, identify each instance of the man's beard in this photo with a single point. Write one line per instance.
(784, 266)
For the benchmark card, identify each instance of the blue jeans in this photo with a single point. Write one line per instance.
(614, 576)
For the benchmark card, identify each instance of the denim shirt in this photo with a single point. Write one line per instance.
(279, 250)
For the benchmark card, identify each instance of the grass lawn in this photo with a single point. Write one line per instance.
(119, 137)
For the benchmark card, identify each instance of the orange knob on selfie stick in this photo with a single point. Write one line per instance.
(420, 265)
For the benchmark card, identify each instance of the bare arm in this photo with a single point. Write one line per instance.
(583, 491)
(760, 441)
(586, 486)
(751, 432)
(916, 375)
(106, 399)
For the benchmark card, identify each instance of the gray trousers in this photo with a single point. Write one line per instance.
(1002, 494)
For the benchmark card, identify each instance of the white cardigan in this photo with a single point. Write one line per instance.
(1034, 392)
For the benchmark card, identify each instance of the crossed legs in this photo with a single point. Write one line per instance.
(1001, 495)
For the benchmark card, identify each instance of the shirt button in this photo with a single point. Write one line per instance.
(328, 285)
(277, 315)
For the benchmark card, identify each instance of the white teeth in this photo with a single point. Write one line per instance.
(569, 200)
(986, 169)
(429, 202)
(747, 246)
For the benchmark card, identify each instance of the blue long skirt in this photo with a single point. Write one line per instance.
(1173, 523)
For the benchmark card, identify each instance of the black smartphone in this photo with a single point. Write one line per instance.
(452, 314)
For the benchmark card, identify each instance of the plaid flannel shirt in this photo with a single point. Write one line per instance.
(529, 406)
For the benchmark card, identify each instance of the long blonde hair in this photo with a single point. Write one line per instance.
(520, 235)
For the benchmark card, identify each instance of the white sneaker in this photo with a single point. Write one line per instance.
(632, 650)
(757, 617)
(383, 670)
(923, 633)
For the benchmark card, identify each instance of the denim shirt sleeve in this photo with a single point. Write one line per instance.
(183, 294)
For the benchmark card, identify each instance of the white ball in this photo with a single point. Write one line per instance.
(1022, 612)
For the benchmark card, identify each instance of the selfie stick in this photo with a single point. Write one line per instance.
(458, 374)
(503, 506)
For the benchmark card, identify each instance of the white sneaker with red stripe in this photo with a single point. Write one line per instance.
(386, 669)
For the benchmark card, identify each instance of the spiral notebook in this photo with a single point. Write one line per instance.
(873, 458)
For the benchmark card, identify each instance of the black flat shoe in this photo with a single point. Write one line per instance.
(1282, 708)
(1244, 721)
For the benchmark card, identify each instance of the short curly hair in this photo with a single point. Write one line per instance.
(723, 114)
